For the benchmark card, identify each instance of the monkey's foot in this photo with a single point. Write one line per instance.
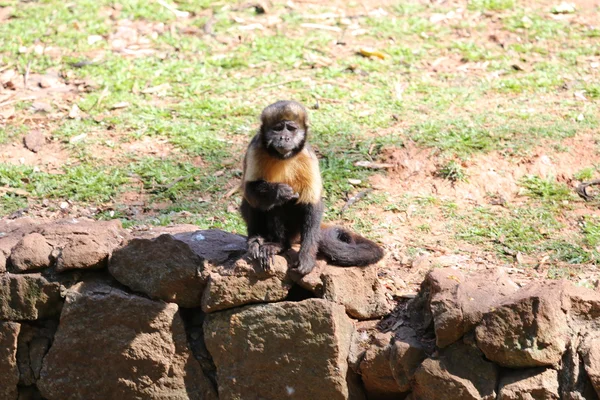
(305, 264)
(263, 252)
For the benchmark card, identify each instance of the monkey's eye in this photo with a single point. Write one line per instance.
(291, 127)
(279, 127)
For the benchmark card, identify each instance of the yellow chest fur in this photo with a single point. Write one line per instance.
(300, 172)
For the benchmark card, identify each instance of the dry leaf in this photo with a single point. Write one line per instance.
(178, 13)
(7, 112)
(373, 165)
(369, 52)
(122, 104)
(7, 76)
(19, 192)
(579, 95)
(5, 13)
(75, 112)
(564, 8)
(322, 27)
(94, 39)
(252, 27)
(160, 88)
(78, 138)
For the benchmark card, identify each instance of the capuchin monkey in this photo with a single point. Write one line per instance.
(282, 202)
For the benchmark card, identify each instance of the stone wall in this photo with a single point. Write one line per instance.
(89, 310)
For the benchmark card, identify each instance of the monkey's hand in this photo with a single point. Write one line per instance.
(263, 252)
(306, 263)
(254, 244)
(285, 193)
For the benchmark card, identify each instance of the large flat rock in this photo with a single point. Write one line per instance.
(115, 345)
(295, 350)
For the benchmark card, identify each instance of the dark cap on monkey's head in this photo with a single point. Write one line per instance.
(284, 110)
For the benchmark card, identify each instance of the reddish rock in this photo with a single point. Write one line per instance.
(83, 244)
(163, 268)
(34, 140)
(406, 354)
(30, 253)
(28, 297)
(457, 302)
(574, 383)
(11, 232)
(281, 350)
(459, 372)
(590, 352)
(111, 345)
(536, 383)
(34, 342)
(528, 330)
(581, 304)
(240, 283)
(357, 288)
(9, 372)
(376, 371)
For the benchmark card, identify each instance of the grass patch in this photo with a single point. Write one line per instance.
(453, 172)
(547, 190)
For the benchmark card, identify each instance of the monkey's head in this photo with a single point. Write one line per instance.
(284, 128)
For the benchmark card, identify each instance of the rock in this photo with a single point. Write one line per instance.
(111, 344)
(28, 297)
(406, 354)
(457, 302)
(458, 373)
(361, 341)
(281, 350)
(241, 283)
(590, 352)
(162, 268)
(34, 140)
(375, 369)
(83, 244)
(9, 372)
(152, 232)
(528, 330)
(34, 342)
(581, 304)
(11, 232)
(537, 383)
(356, 288)
(214, 245)
(194, 327)
(30, 253)
(29, 393)
(574, 382)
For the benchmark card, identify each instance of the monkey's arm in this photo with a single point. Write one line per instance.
(310, 235)
(266, 195)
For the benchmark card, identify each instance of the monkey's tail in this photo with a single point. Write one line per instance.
(344, 248)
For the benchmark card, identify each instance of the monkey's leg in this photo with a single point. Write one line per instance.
(310, 231)
(262, 226)
(266, 195)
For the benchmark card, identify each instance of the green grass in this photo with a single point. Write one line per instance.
(453, 171)
(77, 183)
(547, 190)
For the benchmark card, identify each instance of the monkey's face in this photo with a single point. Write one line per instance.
(284, 128)
(285, 138)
